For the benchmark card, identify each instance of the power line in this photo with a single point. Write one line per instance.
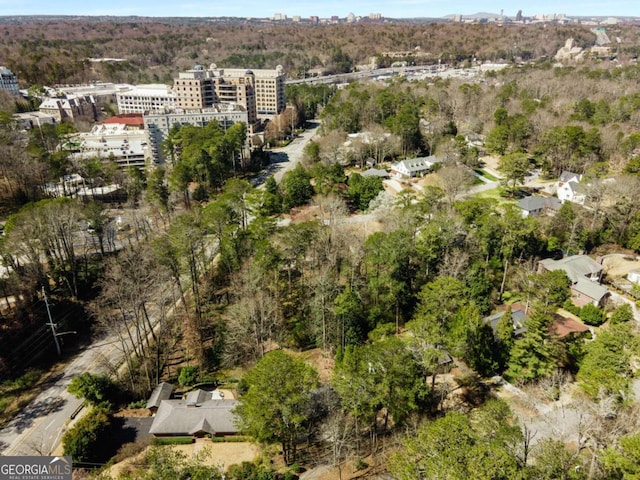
(51, 324)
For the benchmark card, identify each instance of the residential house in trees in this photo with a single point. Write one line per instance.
(564, 323)
(585, 275)
(518, 318)
(535, 206)
(162, 392)
(414, 167)
(197, 414)
(568, 190)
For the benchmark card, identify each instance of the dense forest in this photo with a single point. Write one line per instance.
(411, 377)
(59, 52)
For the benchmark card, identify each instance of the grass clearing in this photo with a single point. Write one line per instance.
(18, 392)
(486, 175)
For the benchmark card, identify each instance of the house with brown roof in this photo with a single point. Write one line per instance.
(564, 325)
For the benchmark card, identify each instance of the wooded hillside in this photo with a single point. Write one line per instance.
(56, 51)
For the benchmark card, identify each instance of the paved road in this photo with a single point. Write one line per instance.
(286, 158)
(39, 427)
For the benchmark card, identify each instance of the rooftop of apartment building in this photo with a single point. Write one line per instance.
(97, 89)
(116, 139)
(215, 108)
(148, 90)
(5, 71)
(130, 119)
(214, 72)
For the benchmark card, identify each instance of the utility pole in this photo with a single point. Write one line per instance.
(51, 324)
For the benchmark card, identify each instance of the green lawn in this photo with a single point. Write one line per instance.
(486, 175)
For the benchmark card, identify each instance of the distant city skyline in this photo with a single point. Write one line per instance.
(327, 8)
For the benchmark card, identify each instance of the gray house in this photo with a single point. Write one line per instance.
(162, 391)
(200, 413)
(585, 275)
(534, 206)
(518, 318)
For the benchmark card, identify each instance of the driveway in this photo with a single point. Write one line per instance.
(136, 429)
(619, 299)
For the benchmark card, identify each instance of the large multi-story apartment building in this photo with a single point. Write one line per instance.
(70, 109)
(8, 81)
(270, 96)
(261, 92)
(152, 98)
(157, 125)
(121, 139)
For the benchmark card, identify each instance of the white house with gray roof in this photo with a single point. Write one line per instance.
(567, 188)
(414, 167)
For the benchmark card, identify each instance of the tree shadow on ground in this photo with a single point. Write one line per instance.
(35, 410)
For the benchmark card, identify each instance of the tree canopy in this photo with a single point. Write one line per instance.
(275, 407)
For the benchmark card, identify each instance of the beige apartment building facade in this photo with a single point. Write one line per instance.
(260, 92)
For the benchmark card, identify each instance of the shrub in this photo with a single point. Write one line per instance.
(250, 471)
(570, 307)
(173, 440)
(592, 315)
(84, 441)
(188, 376)
(130, 449)
(137, 404)
(381, 331)
(622, 314)
(4, 403)
(232, 439)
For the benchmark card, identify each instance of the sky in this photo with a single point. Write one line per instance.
(321, 8)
